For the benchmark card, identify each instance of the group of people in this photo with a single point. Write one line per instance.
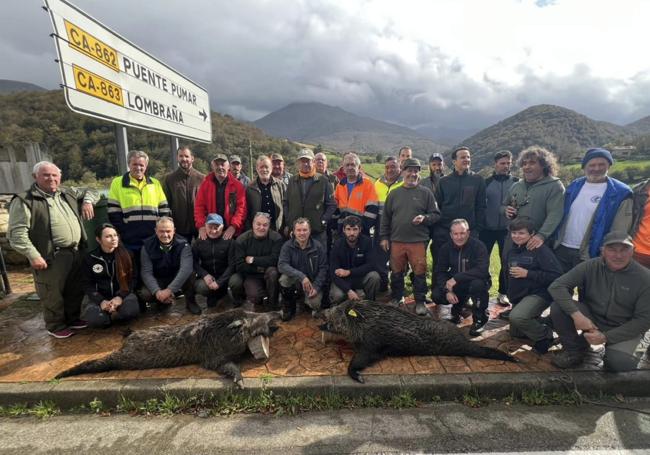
(320, 237)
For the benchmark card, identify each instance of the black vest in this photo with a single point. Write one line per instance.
(165, 264)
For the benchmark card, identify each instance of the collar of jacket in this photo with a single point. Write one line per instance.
(344, 180)
(383, 180)
(501, 177)
(126, 180)
(229, 176)
(465, 173)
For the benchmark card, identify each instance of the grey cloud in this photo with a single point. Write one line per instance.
(255, 57)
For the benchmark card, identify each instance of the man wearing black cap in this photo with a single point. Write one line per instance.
(614, 310)
(593, 205)
(436, 172)
(408, 213)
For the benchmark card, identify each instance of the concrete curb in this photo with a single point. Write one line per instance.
(71, 393)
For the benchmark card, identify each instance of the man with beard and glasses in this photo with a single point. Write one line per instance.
(180, 188)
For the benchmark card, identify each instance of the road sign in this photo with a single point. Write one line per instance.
(106, 76)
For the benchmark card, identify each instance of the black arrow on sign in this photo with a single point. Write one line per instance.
(203, 114)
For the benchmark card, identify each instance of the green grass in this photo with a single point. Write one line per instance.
(618, 165)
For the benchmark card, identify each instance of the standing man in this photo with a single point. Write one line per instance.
(408, 213)
(45, 226)
(135, 202)
(320, 161)
(167, 268)
(356, 195)
(279, 171)
(462, 271)
(539, 196)
(309, 195)
(352, 265)
(213, 261)
(256, 257)
(180, 188)
(614, 311)
(303, 267)
(593, 205)
(496, 223)
(265, 194)
(223, 194)
(436, 172)
(405, 153)
(391, 179)
(640, 230)
(236, 170)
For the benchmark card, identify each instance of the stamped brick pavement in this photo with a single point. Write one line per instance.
(28, 354)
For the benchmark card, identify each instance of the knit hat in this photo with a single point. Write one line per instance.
(597, 153)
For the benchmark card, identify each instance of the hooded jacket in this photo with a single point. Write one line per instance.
(496, 188)
(235, 204)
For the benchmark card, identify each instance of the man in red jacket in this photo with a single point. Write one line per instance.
(221, 193)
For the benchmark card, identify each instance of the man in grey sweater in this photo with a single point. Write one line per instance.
(408, 212)
(615, 310)
(166, 266)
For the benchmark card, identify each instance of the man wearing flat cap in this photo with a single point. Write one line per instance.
(223, 194)
(278, 170)
(594, 205)
(614, 309)
(236, 170)
(404, 231)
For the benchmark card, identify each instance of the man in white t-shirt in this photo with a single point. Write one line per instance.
(593, 206)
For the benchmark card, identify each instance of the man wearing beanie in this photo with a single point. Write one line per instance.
(593, 206)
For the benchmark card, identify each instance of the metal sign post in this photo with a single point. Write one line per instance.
(122, 142)
(173, 151)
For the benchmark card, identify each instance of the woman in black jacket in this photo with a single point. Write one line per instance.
(528, 275)
(109, 281)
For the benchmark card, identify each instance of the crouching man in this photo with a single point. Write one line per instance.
(167, 268)
(213, 262)
(256, 254)
(462, 272)
(303, 268)
(615, 310)
(352, 265)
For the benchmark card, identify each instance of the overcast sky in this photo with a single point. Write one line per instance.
(459, 64)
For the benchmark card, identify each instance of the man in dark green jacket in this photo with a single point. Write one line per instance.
(615, 310)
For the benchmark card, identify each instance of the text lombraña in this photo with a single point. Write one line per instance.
(155, 108)
(141, 72)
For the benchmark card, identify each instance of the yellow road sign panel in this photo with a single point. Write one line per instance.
(87, 44)
(97, 86)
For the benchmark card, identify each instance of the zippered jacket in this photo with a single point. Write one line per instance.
(462, 196)
(214, 257)
(543, 268)
(235, 203)
(464, 264)
(99, 276)
(310, 262)
(496, 189)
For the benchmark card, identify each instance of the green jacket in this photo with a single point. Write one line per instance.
(30, 229)
(542, 202)
(317, 205)
(618, 301)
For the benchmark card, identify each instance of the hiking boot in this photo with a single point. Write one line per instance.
(478, 326)
(397, 302)
(288, 308)
(421, 309)
(78, 324)
(193, 307)
(63, 333)
(568, 359)
(541, 347)
(502, 300)
(505, 315)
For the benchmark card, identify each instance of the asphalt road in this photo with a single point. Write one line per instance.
(442, 428)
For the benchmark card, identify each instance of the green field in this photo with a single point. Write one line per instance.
(618, 165)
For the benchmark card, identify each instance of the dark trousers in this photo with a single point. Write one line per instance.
(618, 357)
(97, 318)
(476, 289)
(59, 290)
(489, 238)
(145, 294)
(255, 287)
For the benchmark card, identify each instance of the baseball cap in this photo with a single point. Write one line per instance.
(411, 162)
(436, 156)
(214, 218)
(305, 153)
(220, 157)
(235, 159)
(618, 237)
(276, 157)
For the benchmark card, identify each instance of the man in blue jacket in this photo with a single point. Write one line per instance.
(594, 205)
